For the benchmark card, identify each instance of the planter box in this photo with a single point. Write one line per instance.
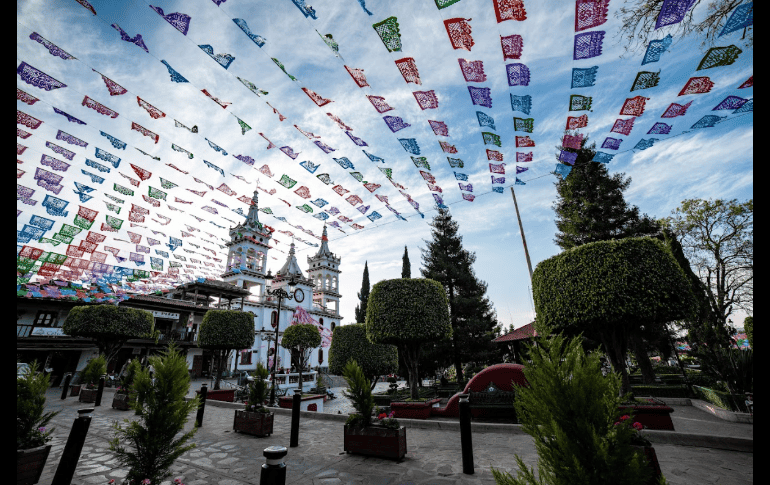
(376, 441)
(652, 417)
(413, 410)
(226, 395)
(652, 462)
(88, 395)
(257, 424)
(120, 402)
(74, 390)
(312, 402)
(30, 464)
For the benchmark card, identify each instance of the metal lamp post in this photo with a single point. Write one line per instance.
(281, 294)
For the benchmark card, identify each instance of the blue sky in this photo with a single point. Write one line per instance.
(706, 163)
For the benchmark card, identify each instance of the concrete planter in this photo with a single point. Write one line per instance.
(310, 402)
(652, 417)
(413, 410)
(120, 402)
(88, 395)
(376, 441)
(226, 395)
(74, 390)
(257, 424)
(30, 464)
(652, 462)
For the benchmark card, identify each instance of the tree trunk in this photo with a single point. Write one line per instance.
(637, 344)
(219, 369)
(374, 382)
(612, 347)
(455, 345)
(412, 355)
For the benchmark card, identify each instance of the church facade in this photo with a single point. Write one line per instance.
(316, 291)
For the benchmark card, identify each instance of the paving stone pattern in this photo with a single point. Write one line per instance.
(223, 457)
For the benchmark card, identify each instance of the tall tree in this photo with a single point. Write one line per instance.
(363, 296)
(406, 268)
(471, 314)
(640, 19)
(590, 207)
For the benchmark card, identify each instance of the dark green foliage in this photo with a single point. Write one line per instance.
(224, 331)
(590, 205)
(408, 313)
(350, 342)
(360, 394)
(110, 326)
(471, 314)
(301, 339)
(406, 267)
(363, 295)
(31, 421)
(127, 380)
(607, 289)
(94, 369)
(258, 390)
(570, 410)
(149, 445)
(748, 327)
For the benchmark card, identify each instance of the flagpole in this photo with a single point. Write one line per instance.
(523, 239)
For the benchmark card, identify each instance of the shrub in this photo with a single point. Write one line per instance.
(31, 421)
(127, 380)
(360, 394)
(110, 326)
(350, 342)
(149, 445)
(258, 390)
(94, 369)
(570, 409)
(408, 313)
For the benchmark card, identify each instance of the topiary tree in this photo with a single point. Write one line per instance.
(224, 331)
(301, 339)
(149, 445)
(408, 313)
(110, 326)
(350, 342)
(606, 289)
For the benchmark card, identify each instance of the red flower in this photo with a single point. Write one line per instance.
(624, 417)
(638, 426)
(382, 416)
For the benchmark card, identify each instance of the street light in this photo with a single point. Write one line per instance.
(281, 294)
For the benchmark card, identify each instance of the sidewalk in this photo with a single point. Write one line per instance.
(223, 457)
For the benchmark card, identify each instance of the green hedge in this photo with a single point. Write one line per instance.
(350, 342)
(660, 391)
(407, 310)
(111, 321)
(724, 400)
(630, 281)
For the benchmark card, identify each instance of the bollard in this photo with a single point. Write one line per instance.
(274, 470)
(465, 434)
(201, 406)
(296, 400)
(69, 458)
(67, 379)
(100, 390)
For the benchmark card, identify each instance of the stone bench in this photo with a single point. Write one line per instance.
(492, 402)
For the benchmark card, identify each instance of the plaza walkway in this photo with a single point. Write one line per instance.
(223, 457)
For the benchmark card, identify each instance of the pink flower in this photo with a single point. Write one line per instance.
(146, 481)
(624, 417)
(617, 423)
(178, 481)
(638, 426)
(111, 482)
(392, 413)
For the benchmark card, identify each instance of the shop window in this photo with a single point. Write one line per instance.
(246, 358)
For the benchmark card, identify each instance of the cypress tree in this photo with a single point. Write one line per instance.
(363, 296)
(471, 314)
(406, 268)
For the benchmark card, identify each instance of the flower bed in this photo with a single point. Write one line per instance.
(376, 441)
(413, 410)
(226, 395)
(287, 402)
(257, 424)
(654, 415)
(724, 400)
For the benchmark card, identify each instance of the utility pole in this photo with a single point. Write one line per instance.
(523, 239)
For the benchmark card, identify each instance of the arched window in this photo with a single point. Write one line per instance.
(333, 326)
(321, 321)
(320, 356)
(274, 319)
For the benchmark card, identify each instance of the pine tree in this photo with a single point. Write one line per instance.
(406, 268)
(591, 207)
(472, 316)
(363, 296)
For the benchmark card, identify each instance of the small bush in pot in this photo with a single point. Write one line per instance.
(255, 418)
(32, 434)
(94, 369)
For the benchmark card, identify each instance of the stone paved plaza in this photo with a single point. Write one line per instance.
(223, 457)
